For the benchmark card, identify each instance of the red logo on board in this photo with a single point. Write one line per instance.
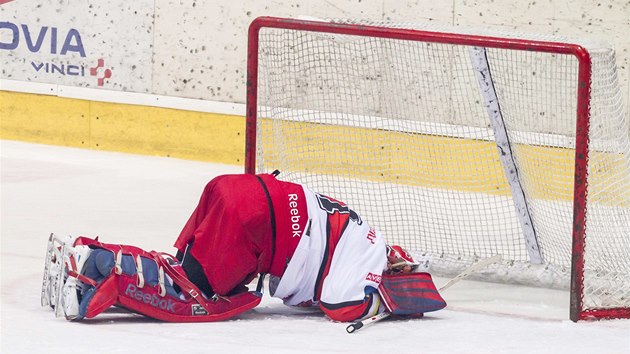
(105, 74)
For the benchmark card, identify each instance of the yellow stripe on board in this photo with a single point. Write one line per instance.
(466, 165)
(376, 155)
(44, 119)
(120, 127)
(430, 161)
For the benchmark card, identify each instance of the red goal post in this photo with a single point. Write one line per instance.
(582, 116)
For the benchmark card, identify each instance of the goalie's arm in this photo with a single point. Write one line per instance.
(402, 294)
(371, 305)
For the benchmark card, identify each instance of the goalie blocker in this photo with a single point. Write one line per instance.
(317, 251)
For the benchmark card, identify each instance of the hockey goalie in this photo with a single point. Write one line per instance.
(316, 250)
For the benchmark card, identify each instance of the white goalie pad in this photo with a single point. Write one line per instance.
(59, 287)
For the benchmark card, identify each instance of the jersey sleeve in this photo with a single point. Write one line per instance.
(349, 290)
(371, 305)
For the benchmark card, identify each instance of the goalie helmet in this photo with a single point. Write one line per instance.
(399, 260)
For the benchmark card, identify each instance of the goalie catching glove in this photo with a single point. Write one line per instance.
(84, 277)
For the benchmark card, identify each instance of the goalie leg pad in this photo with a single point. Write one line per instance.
(98, 299)
(147, 302)
(105, 272)
(410, 294)
(141, 281)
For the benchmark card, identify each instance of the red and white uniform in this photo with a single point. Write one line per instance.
(337, 258)
(317, 251)
(320, 250)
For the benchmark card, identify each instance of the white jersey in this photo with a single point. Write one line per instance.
(338, 260)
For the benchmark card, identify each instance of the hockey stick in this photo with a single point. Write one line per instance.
(355, 326)
(368, 321)
(479, 265)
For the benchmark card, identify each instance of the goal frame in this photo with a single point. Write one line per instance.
(580, 189)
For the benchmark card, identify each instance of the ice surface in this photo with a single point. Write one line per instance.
(145, 201)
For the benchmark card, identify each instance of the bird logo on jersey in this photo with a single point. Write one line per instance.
(332, 206)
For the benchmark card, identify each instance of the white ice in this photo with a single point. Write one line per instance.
(144, 201)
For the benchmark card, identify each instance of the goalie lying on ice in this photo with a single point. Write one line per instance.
(317, 252)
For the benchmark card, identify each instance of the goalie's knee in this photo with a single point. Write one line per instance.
(117, 274)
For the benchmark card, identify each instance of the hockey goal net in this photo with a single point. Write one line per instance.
(456, 145)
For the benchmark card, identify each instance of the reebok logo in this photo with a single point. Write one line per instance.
(151, 299)
(374, 278)
(295, 216)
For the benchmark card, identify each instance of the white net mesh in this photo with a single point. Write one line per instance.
(399, 130)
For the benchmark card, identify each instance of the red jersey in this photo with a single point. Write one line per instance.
(250, 224)
(244, 225)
